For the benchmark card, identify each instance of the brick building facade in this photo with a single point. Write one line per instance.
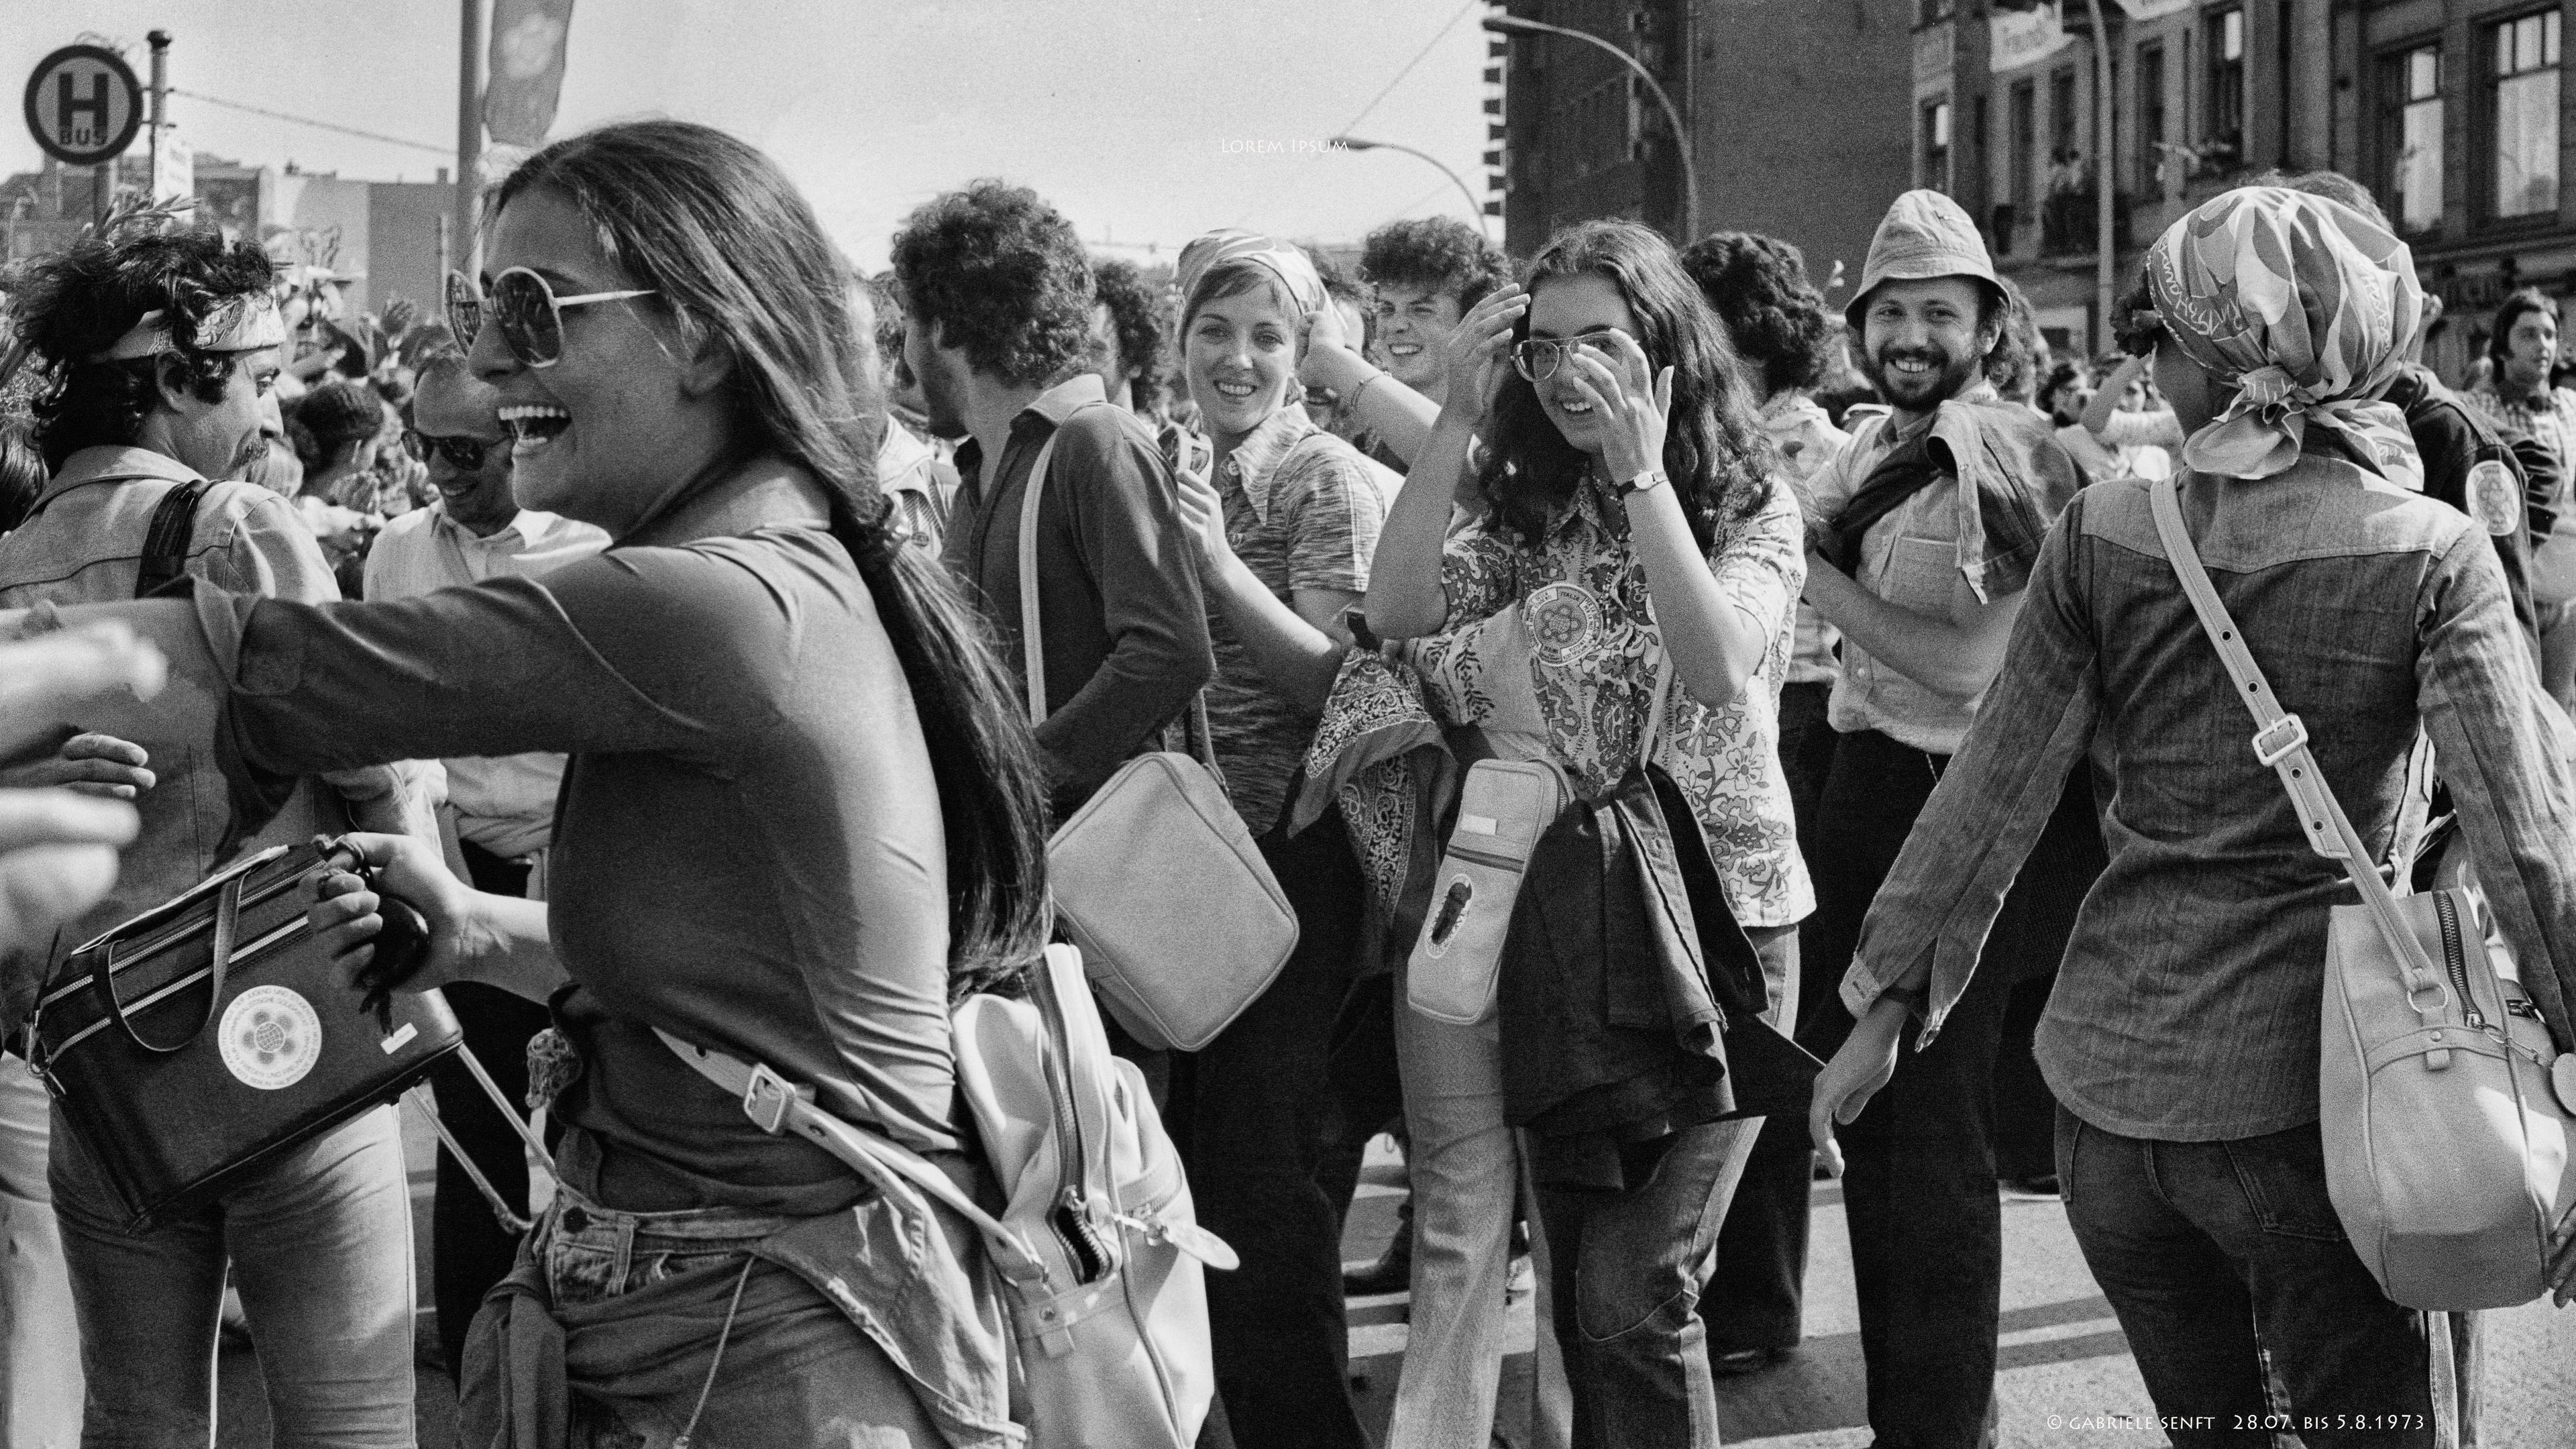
(2453, 112)
(1790, 100)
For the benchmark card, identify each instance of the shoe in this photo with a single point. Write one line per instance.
(1391, 1273)
(1736, 1363)
(2036, 1188)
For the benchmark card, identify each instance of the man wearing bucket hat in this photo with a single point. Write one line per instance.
(1925, 530)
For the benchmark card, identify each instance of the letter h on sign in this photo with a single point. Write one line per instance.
(68, 104)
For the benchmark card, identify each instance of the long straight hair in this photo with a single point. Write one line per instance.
(1718, 459)
(736, 254)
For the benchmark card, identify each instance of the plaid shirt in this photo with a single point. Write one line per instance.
(2187, 1008)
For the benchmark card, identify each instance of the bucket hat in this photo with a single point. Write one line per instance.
(1924, 235)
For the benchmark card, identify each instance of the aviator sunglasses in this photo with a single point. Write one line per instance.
(526, 310)
(1537, 358)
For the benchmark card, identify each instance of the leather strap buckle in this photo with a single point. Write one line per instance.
(2278, 740)
(766, 1098)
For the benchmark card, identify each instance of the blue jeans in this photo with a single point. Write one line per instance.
(2221, 1256)
(322, 1245)
(1629, 1265)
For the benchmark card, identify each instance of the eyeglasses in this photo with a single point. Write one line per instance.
(1537, 358)
(526, 310)
(466, 454)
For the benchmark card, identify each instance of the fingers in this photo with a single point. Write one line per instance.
(346, 920)
(30, 818)
(1589, 366)
(1820, 1128)
(1635, 372)
(1664, 394)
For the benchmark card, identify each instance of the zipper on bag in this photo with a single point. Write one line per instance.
(2456, 959)
(1070, 1218)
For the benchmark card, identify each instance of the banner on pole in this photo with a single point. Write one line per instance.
(174, 167)
(527, 66)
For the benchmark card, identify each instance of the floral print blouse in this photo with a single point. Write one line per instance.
(1573, 612)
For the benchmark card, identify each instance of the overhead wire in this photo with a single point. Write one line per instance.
(316, 125)
(1374, 101)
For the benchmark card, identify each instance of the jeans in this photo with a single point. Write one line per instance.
(322, 1245)
(1249, 1114)
(2221, 1257)
(779, 1366)
(1628, 1266)
(470, 1250)
(40, 1372)
(1465, 1168)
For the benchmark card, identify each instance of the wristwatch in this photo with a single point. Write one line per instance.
(1651, 478)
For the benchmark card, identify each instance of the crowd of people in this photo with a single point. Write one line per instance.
(654, 621)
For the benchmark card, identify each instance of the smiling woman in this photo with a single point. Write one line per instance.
(801, 811)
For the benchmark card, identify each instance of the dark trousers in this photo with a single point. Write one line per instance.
(1627, 1268)
(1753, 1298)
(1919, 1192)
(2219, 1257)
(469, 1249)
(1251, 1116)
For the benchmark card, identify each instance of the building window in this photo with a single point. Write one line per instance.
(2151, 119)
(1936, 144)
(2223, 137)
(2524, 107)
(2022, 145)
(2410, 136)
(2061, 116)
(1933, 12)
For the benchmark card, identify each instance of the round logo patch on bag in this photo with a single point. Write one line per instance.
(270, 1038)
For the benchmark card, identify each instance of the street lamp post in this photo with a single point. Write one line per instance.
(1354, 143)
(2106, 240)
(1513, 25)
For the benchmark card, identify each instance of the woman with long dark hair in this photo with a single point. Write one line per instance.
(800, 817)
(1635, 546)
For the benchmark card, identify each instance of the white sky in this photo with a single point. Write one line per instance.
(1142, 120)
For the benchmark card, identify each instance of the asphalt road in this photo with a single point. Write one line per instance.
(2066, 1376)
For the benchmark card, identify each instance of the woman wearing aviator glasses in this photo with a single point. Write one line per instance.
(1632, 546)
(801, 811)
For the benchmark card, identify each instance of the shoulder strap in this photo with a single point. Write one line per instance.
(2281, 741)
(775, 1106)
(165, 543)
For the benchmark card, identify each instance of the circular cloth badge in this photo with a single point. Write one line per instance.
(1565, 622)
(270, 1037)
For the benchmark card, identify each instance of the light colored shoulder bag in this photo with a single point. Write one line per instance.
(1098, 1246)
(2446, 1142)
(1156, 878)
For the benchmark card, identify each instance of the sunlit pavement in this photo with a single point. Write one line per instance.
(2066, 1376)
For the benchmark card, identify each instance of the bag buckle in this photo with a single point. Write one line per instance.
(766, 1098)
(2278, 740)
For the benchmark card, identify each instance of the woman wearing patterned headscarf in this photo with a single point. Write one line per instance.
(1286, 518)
(2181, 1040)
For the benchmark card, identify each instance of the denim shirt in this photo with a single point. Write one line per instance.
(2188, 1004)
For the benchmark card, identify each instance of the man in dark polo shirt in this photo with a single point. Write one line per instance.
(997, 295)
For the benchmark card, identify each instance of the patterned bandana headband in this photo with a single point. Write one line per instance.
(2306, 308)
(1289, 266)
(245, 323)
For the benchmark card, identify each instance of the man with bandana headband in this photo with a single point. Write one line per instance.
(154, 350)
(1923, 535)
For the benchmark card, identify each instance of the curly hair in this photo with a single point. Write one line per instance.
(1719, 461)
(1001, 274)
(1775, 317)
(338, 416)
(75, 304)
(1141, 316)
(1437, 254)
(22, 476)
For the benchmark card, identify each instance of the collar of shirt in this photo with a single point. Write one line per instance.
(903, 460)
(90, 465)
(528, 528)
(1054, 405)
(1256, 460)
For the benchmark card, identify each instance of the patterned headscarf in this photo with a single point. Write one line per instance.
(2303, 305)
(1295, 274)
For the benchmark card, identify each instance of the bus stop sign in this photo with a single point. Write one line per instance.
(84, 105)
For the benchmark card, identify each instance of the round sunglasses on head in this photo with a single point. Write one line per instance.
(524, 308)
(466, 454)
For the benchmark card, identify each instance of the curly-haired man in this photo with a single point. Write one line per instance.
(1427, 274)
(997, 296)
(1128, 321)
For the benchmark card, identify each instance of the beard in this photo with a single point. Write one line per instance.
(1946, 378)
(942, 398)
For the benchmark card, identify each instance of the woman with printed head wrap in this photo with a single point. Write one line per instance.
(2181, 1041)
(1286, 517)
